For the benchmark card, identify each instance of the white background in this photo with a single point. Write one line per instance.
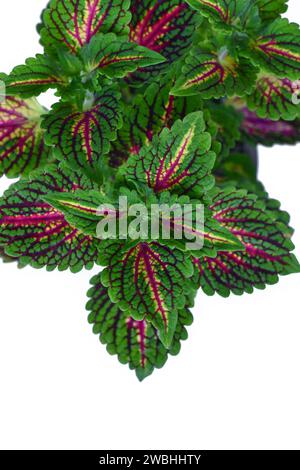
(235, 384)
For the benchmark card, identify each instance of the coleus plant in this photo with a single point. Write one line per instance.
(159, 101)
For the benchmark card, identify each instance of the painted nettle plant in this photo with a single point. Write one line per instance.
(160, 103)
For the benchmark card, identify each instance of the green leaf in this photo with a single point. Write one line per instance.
(148, 114)
(72, 24)
(237, 14)
(164, 26)
(83, 136)
(277, 49)
(273, 98)
(269, 10)
(179, 221)
(83, 209)
(115, 57)
(265, 235)
(22, 146)
(188, 225)
(70, 64)
(135, 342)
(38, 75)
(149, 281)
(177, 160)
(214, 75)
(37, 234)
